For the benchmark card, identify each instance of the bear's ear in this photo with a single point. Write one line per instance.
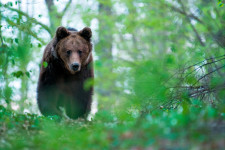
(86, 33)
(61, 33)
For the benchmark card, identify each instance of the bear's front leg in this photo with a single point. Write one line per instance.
(75, 109)
(47, 102)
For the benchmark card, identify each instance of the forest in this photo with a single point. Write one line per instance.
(159, 68)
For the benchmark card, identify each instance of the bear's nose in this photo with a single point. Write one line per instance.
(75, 66)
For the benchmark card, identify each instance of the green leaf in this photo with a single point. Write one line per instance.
(191, 79)
(88, 83)
(170, 59)
(39, 45)
(10, 4)
(45, 64)
(16, 40)
(173, 48)
(28, 74)
(221, 4)
(7, 93)
(13, 61)
(18, 74)
(98, 63)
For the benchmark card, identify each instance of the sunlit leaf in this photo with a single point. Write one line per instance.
(39, 45)
(16, 40)
(221, 4)
(28, 74)
(18, 74)
(88, 84)
(45, 64)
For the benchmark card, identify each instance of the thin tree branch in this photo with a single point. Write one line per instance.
(206, 90)
(183, 13)
(208, 63)
(209, 73)
(66, 7)
(192, 26)
(1, 38)
(205, 60)
(1, 29)
(49, 4)
(197, 34)
(33, 20)
(183, 70)
(25, 30)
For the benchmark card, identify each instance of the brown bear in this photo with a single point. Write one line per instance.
(68, 64)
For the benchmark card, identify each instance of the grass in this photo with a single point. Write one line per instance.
(195, 126)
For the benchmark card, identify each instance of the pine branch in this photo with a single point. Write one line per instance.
(209, 73)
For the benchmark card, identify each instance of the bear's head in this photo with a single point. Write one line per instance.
(74, 48)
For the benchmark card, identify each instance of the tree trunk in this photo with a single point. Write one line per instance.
(55, 17)
(104, 49)
(104, 45)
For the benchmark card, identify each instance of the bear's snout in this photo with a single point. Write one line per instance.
(75, 66)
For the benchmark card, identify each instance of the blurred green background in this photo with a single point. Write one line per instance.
(159, 74)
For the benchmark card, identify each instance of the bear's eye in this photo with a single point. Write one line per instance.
(79, 52)
(68, 52)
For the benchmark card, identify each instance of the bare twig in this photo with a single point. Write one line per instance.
(209, 73)
(201, 91)
(204, 61)
(1, 31)
(192, 26)
(208, 63)
(192, 16)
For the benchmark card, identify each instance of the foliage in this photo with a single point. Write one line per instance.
(187, 127)
(159, 75)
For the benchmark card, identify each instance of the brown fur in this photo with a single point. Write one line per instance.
(59, 85)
